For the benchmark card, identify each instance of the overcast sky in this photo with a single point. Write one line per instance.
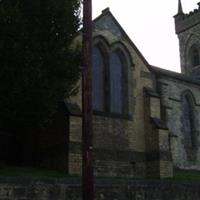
(150, 25)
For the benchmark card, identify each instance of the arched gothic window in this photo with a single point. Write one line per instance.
(188, 120)
(117, 78)
(110, 80)
(98, 79)
(194, 56)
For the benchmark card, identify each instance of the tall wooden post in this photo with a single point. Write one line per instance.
(87, 144)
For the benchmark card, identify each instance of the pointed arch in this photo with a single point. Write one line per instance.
(194, 55)
(188, 118)
(191, 39)
(192, 52)
(118, 82)
(126, 74)
(121, 47)
(190, 95)
(111, 74)
(100, 74)
(103, 42)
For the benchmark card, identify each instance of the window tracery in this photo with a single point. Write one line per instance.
(110, 90)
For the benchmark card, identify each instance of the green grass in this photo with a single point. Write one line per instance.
(186, 175)
(32, 172)
(13, 171)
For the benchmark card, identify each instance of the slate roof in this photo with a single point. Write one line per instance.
(182, 77)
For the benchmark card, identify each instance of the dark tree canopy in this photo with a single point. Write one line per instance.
(38, 67)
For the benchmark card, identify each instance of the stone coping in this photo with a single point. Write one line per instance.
(76, 181)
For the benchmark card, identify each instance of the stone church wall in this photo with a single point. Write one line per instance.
(70, 189)
(119, 144)
(143, 140)
(171, 90)
(119, 141)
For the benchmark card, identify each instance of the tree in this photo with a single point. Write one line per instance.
(38, 69)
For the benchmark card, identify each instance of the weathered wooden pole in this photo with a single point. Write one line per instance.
(87, 135)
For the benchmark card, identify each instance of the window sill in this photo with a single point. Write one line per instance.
(112, 115)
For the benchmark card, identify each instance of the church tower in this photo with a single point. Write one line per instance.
(187, 28)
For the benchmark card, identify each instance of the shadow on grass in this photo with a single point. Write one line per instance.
(32, 172)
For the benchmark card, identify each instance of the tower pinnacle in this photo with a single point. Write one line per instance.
(180, 9)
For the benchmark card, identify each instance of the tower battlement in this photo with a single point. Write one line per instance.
(185, 21)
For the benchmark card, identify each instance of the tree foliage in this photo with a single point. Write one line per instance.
(38, 68)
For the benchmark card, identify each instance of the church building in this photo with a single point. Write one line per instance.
(146, 119)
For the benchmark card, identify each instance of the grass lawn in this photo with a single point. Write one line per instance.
(33, 172)
(186, 175)
(179, 175)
